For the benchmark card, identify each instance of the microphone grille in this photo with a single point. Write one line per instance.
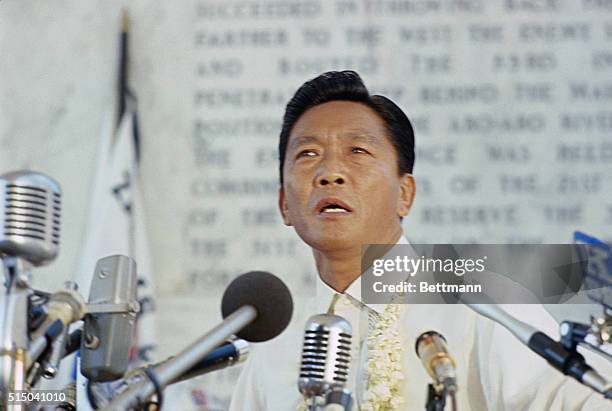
(30, 210)
(326, 354)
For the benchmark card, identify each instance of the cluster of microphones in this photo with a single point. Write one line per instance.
(39, 329)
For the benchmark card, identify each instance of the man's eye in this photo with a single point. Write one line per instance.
(359, 150)
(306, 153)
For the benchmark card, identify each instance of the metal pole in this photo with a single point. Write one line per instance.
(13, 329)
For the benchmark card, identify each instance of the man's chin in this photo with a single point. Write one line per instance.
(331, 241)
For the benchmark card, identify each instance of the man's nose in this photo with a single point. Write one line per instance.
(331, 172)
(331, 178)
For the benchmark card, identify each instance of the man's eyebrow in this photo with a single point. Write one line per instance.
(365, 137)
(298, 141)
(354, 136)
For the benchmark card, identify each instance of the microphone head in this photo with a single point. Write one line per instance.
(268, 295)
(326, 354)
(429, 340)
(432, 350)
(30, 206)
(115, 282)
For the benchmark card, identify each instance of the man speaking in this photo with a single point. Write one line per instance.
(346, 160)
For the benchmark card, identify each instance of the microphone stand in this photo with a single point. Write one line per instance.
(32, 343)
(312, 404)
(338, 399)
(14, 330)
(436, 399)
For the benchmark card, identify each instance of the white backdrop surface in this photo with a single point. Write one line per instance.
(511, 102)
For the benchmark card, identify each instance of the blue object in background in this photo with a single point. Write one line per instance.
(598, 274)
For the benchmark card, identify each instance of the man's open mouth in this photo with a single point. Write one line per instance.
(332, 205)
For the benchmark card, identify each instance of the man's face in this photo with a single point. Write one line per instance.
(341, 184)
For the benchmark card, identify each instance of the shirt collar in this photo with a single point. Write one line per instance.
(353, 291)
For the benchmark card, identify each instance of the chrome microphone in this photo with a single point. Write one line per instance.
(30, 208)
(431, 348)
(109, 322)
(326, 355)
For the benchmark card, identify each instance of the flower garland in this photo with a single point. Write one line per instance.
(384, 363)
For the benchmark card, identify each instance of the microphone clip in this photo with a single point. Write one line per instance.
(596, 337)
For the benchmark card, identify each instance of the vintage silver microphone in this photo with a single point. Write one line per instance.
(109, 321)
(30, 207)
(326, 357)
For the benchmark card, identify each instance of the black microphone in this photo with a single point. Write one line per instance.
(270, 298)
(226, 355)
(569, 363)
(231, 353)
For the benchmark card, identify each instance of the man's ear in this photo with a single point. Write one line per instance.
(407, 193)
(283, 206)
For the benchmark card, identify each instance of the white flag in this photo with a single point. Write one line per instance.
(116, 225)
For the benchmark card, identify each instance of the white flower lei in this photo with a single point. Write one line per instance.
(384, 363)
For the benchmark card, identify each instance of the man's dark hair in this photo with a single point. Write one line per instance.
(348, 86)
